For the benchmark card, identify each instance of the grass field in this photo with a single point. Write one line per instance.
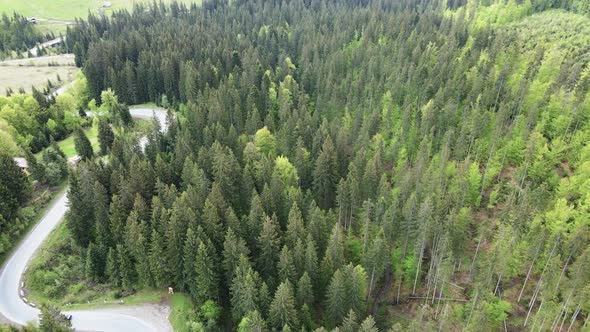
(68, 147)
(182, 312)
(53, 15)
(25, 73)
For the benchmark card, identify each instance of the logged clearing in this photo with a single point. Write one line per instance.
(26, 73)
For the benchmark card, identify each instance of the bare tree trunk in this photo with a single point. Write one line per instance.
(475, 256)
(537, 314)
(562, 272)
(472, 308)
(528, 274)
(569, 123)
(444, 316)
(399, 285)
(371, 284)
(574, 317)
(531, 305)
(340, 216)
(432, 267)
(419, 266)
(498, 284)
(542, 323)
(562, 310)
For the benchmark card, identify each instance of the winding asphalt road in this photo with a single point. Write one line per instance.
(13, 307)
(47, 44)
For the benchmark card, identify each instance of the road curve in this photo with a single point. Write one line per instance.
(13, 307)
(47, 44)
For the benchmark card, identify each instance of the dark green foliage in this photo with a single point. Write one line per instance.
(82, 144)
(52, 320)
(328, 159)
(283, 307)
(14, 190)
(105, 136)
(17, 34)
(54, 166)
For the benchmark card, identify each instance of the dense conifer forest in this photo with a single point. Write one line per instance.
(345, 165)
(17, 34)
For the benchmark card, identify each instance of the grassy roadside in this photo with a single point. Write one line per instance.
(55, 276)
(182, 312)
(58, 263)
(41, 201)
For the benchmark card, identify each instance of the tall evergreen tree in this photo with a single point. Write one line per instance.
(325, 175)
(82, 144)
(282, 308)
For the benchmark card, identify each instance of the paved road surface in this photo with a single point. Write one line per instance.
(46, 44)
(14, 309)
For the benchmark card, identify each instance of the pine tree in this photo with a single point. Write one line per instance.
(191, 246)
(212, 223)
(268, 248)
(105, 136)
(334, 257)
(311, 261)
(82, 144)
(101, 216)
(52, 320)
(253, 322)
(126, 268)
(112, 268)
(325, 175)
(79, 218)
(350, 323)
(206, 273)
(157, 260)
(336, 298)
(295, 227)
(355, 281)
(233, 248)
(368, 325)
(282, 308)
(243, 290)
(14, 189)
(285, 265)
(94, 262)
(305, 290)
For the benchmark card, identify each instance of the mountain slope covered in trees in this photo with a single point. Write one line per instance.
(362, 165)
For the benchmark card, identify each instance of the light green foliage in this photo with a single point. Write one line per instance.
(474, 178)
(497, 311)
(265, 141)
(287, 171)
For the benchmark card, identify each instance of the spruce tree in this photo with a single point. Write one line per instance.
(206, 273)
(243, 290)
(191, 246)
(80, 218)
(336, 298)
(105, 136)
(112, 268)
(233, 248)
(82, 144)
(282, 308)
(305, 290)
(325, 175)
(285, 265)
(368, 325)
(268, 249)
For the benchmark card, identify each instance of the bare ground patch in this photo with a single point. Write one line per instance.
(26, 73)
